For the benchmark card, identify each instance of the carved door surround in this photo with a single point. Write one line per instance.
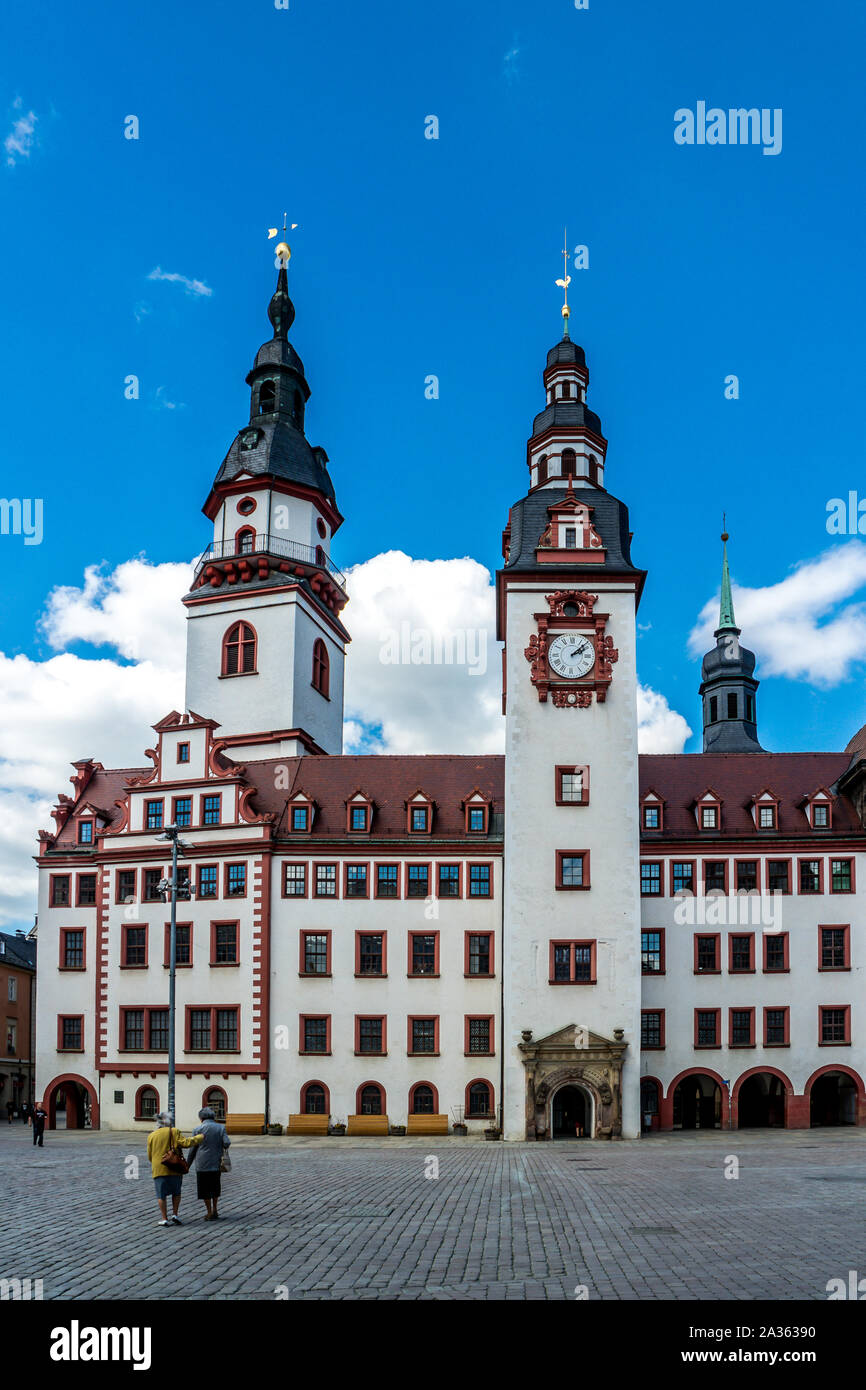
(574, 1056)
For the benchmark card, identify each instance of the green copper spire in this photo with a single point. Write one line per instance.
(726, 608)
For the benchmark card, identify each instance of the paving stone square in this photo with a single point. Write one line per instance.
(343, 1218)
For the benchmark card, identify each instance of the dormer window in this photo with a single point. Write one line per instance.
(359, 814)
(85, 832)
(765, 810)
(301, 815)
(820, 816)
(819, 810)
(476, 812)
(766, 817)
(419, 814)
(267, 397)
(419, 818)
(570, 537)
(183, 752)
(709, 817)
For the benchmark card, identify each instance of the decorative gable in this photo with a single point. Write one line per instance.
(570, 536)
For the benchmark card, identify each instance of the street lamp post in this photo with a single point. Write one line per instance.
(178, 847)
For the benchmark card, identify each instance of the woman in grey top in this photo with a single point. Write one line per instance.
(208, 1156)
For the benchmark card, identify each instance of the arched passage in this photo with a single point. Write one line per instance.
(836, 1097)
(761, 1099)
(570, 1112)
(75, 1098)
(650, 1104)
(696, 1099)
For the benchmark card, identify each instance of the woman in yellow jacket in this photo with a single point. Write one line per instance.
(167, 1182)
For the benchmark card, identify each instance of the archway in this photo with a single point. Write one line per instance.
(570, 1113)
(650, 1104)
(761, 1102)
(833, 1099)
(697, 1102)
(75, 1099)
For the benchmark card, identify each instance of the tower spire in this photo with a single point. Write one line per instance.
(564, 284)
(727, 622)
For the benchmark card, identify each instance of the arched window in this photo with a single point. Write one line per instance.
(315, 1099)
(479, 1100)
(542, 469)
(215, 1097)
(245, 541)
(371, 1099)
(146, 1103)
(320, 556)
(321, 668)
(569, 463)
(239, 650)
(593, 468)
(422, 1099)
(298, 410)
(566, 389)
(267, 397)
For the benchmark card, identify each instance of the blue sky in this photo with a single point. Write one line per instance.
(416, 256)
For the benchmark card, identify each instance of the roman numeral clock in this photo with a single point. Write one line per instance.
(571, 655)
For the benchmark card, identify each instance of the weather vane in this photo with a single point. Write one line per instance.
(725, 536)
(284, 251)
(564, 284)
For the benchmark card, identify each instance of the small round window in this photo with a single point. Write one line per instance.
(321, 528)
(569, 610)
(246, 505)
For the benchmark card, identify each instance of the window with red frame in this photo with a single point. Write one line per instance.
(60, 890)
(572, 962)
(321, 668)
(239, 650)
(833, 943)
(835, 1022)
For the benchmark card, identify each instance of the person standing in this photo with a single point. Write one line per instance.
(10, 1110)
(24, 1112)
(208, 1160)
(37, 1119)
(167, 1181)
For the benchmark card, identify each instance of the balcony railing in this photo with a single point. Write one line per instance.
(313, 555)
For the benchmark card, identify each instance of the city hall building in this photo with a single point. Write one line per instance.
(568, 940)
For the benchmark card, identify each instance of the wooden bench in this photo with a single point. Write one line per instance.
(427, 1124)
(367, 1124)
(308, 1124)
(245, 1124)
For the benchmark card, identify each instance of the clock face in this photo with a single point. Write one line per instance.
(571, 655)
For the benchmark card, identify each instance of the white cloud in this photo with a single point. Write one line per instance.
(163, 403)
(195, 287)
(659, 728)
(136, 609)
(20, 140)
(801, 627)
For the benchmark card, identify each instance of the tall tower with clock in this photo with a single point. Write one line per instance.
(567, 596)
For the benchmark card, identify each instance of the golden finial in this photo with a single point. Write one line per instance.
(564, 284)
(284, 251)
(725, 536)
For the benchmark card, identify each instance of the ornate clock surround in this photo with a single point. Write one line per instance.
(571, 609)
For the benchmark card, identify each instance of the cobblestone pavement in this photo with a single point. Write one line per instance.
(353, 1218)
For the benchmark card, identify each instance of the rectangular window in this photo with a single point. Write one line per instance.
(775, 1027)
(85, 832)
(476, 819)
(572, 786)
(371, 1034)
(73, 950)
(706, 954)
(778, 876)
(776, 953)
(182, 942)
(479, 1036)
(86, 890)
(199, 1030)
(651, 817)
(449, 880)
(60, 890)
(572, 962)
(479, 880)
(295, 881)
(715, 875)
(356, 880)
(387, 880)
(236, 880)
(707, 1027)
(479, 953)
(840, 876)
(153, 815)
(371, 953)
(709, 817)
(207, 881)
(683, 877)
(810, 875)
(326, 880)
(418, 818)
(423, 1035)
(12, 990)
(183, 811)
(650, 878)
(152, 880)
(732, 704)
(651, 962)
(134, 952)
(183, 752)
(126, 885)
(833, 948)
(314, 1035)
(835, 1024)
(315, 953)
(422, 953)
(747, 875)
(133, 1030)
(651, 1028)
(418, 879)
(742, 954)
(72, 1033)
(210, 810)
(766, 817)
(300, 818)
(358, 818)
(157, 1026)
(714, 708)
(820, 817)
(226, 1030)
(740, 1028)
(224, 943)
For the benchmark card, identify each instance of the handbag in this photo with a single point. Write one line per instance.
(225, 1162)
(174, 1159)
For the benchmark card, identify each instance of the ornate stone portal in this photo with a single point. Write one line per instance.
(573, 1056)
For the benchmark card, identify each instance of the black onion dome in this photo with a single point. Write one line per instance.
(566, 352)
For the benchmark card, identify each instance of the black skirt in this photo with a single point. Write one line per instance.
(208, 1184)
